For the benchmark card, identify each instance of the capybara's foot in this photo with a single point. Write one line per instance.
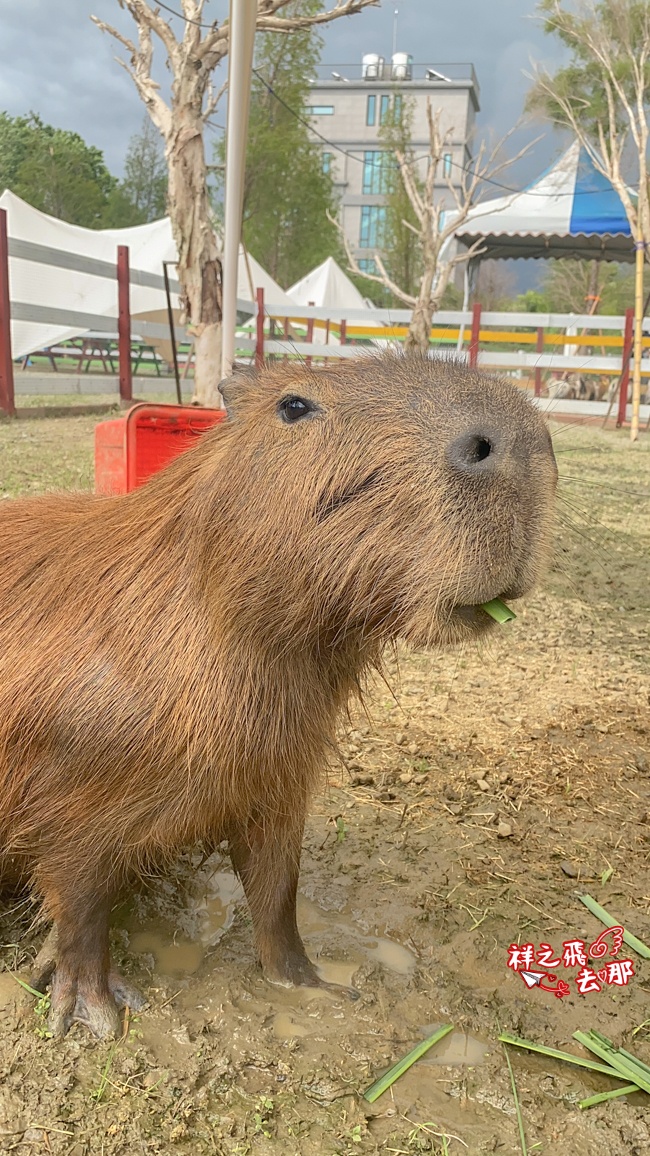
(299, 971)
(77, 999)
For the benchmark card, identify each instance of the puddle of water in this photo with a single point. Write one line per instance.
(312, 921)
(392, 955)
(337, 971)
(217, 909)
(174, 957)
(213, 912)
(286, 1028)
(456, 1048)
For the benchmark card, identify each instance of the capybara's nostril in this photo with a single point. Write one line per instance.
(471, 450)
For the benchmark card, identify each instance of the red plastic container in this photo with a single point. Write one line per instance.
(130, 449)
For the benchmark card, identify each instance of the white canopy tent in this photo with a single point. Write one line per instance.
(327, 286)
(571, 210)
(48, 284)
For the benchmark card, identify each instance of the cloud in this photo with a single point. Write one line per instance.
(55, 61)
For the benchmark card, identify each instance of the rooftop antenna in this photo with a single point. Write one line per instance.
(395, 15)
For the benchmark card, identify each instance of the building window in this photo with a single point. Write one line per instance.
(371, 110)
(373, 220)
(327, 163)
(367, 264)
(320, 109)
(446, 165)
(383, 109)
(374, 172)
(397, 108)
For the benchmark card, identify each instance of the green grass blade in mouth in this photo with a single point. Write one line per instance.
(498, 611)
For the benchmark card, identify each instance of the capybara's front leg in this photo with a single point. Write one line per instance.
(267, 860)
(268, 863)
(75, 961)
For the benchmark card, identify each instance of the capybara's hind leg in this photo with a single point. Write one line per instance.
(75, 958)
(268, 864)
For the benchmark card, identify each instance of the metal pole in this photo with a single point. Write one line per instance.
(124, 323)
(172, 332)
(243, 16)
(7, 402)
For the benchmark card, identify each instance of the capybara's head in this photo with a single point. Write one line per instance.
(388, 496)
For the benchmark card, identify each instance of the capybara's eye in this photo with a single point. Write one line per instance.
(293, 408)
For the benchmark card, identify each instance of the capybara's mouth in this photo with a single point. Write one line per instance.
(473, 616)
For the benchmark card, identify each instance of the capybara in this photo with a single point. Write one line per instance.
(173, 661)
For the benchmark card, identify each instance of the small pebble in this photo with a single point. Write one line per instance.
(421, 778)
(412, 748)
(641, 761)
(569, 870)
(504, 830)
(400, 739)
(482, 785)
(407, 777)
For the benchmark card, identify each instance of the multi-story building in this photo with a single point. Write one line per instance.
(349, 108)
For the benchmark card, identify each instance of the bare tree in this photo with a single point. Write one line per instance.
(191, 59)
(602, 96)
(438, 213)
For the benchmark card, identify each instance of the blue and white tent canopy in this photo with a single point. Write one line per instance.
(570, 211)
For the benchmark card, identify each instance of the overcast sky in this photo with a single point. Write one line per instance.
(54, 61)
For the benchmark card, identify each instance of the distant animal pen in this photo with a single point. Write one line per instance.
(530, 346)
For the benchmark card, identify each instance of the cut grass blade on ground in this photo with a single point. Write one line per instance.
(388, 1079)
(629, 1067)
(556, 1054)
(607, 919)
(602, 1097)
(520, 1120)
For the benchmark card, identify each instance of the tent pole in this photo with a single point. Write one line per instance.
(638, 339)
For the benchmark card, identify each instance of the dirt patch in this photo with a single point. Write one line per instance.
(475, 796)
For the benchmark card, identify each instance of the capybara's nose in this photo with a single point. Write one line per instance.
(473, 451)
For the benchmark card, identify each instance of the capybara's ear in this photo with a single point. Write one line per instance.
(235, 387)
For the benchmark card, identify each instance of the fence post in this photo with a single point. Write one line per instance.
(343, 335)
(259, 329)
(539, 348)
(124, 323)
(310, 330)
(628, 338)
(476, 330)
(7, 402)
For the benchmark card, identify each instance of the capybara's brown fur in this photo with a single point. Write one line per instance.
(173, 661)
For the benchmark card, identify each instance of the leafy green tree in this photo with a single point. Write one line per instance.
(287, 193)
(400, 243)
(145, 174)
(54, 170)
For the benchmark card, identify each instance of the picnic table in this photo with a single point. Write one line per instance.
(97, 347)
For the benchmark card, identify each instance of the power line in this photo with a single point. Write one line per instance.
(353, 156)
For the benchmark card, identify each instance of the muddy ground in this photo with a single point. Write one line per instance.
(481, 791)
